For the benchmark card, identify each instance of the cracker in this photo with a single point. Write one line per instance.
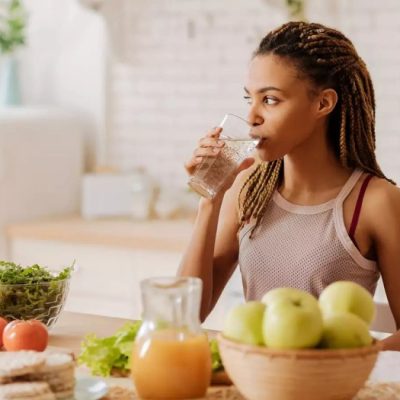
(57, 361)
(62, 375)
(17, 363)
(65, 395)
(26, 391)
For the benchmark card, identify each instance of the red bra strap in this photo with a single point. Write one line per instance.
(357, 209)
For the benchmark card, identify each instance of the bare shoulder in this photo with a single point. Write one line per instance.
(382, 205)
(383, 193)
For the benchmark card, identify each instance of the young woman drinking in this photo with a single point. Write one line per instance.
(316, 207)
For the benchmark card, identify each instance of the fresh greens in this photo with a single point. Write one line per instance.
(216, 362)
(101, 355)
(32, 292)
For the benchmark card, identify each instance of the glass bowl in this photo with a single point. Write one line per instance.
(41, 301)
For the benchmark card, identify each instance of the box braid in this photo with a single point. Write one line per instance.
(329, 60)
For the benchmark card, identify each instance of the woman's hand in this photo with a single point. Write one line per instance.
(208, 146)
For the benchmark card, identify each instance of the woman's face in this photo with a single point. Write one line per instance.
(282, 110)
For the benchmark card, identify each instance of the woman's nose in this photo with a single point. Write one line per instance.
(254, 118)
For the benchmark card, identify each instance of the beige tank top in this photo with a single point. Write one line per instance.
(306, 247)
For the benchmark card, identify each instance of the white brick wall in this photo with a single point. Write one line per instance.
(184, 64)
(374, 27)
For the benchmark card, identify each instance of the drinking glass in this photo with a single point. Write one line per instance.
(212, 172)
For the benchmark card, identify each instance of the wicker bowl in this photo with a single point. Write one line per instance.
(313, 374)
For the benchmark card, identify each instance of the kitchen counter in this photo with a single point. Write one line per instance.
(169, 235)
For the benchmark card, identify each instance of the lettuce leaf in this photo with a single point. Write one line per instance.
(101, 355)
(216, 362)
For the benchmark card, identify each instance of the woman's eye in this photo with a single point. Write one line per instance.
(270, 100)
(248, 99)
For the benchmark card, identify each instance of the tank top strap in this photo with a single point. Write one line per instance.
(348, 186)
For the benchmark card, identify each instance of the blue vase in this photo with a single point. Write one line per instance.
(10, 94)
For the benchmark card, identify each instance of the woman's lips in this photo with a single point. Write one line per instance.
(260, 143)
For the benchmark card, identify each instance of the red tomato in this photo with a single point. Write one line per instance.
(3, 323)
(25, 335)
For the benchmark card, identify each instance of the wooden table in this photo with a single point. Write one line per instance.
(71, 328)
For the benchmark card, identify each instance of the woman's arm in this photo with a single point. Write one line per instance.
(384, 214)
(212, 252)
(213, 229)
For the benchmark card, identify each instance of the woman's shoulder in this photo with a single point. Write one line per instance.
(383, 193)
(382, 204)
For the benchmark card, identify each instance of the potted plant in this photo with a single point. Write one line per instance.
(13, 19)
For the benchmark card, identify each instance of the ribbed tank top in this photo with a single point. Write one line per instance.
(306, 247)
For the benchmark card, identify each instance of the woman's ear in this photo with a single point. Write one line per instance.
(327, 100)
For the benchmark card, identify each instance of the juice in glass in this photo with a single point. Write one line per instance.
(171, 357)
(164, 367)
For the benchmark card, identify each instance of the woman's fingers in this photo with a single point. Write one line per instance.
(198, 156)
(206, 151)
(214, 132)
(210, 142)
(191, 165)
(208, 146)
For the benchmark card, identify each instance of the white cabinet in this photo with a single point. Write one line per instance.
(41, 163)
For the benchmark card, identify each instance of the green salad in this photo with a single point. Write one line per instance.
(216, 362)
(31, 292)
(103, 355)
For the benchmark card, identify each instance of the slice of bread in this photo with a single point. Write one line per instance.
(55, 370)
(26, 391)
(17, 363)
(57, 362)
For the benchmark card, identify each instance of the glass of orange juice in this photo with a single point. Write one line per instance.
(171, 357)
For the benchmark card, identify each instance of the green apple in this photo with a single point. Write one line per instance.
(277, 294)
(345, 330)
(244, 323)
(293, 321)
(346, 296)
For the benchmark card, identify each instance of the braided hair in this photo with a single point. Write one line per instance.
(329, 60)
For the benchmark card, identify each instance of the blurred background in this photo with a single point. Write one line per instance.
(102, 101)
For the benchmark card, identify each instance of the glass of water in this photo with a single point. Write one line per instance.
(212, 172)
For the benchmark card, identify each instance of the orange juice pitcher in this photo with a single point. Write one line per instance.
(171, 357)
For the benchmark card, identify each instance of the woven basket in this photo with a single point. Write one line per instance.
(311, 374)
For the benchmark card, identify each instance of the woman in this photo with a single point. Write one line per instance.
(317, 208)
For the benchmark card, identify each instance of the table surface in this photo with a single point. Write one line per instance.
(71, 327)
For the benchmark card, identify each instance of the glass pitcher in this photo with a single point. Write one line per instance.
(171, 357)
